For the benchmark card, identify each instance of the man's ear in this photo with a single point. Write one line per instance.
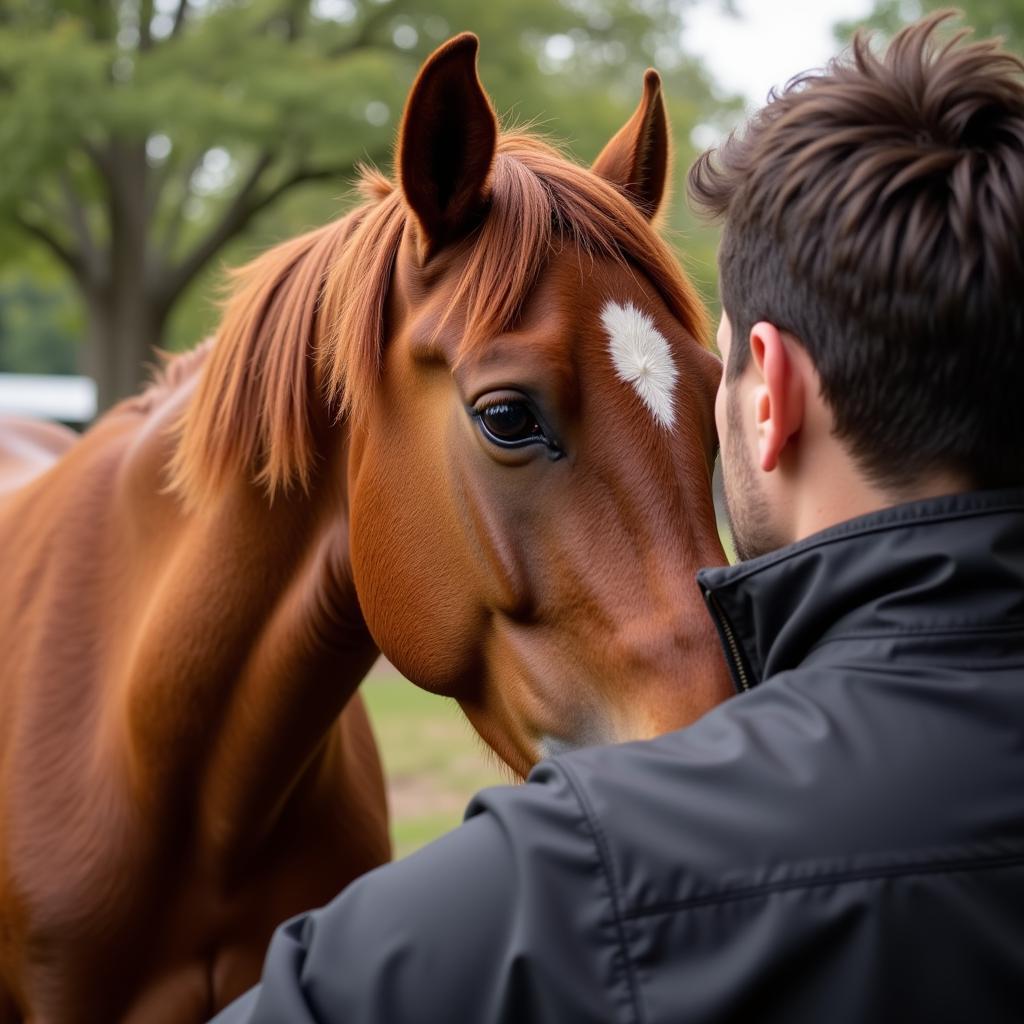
(446, 145)
(778, 394)
(637, 158)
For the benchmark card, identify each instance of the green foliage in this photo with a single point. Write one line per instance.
(147, 142)
(1004, 18)
(433, 761)
(39, 317)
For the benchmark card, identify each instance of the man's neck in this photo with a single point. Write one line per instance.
(844, 492)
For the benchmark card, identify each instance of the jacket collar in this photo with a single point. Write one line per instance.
(941, 564)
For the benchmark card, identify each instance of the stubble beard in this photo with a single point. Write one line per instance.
(748, 511)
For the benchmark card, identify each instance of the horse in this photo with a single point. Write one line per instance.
(468, 425)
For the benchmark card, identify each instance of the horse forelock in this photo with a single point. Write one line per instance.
(309, 313)
(540, 203)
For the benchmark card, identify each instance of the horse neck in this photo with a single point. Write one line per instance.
(248, 639)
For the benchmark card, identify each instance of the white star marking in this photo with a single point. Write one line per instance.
(642, 357)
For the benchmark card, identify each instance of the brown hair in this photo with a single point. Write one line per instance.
(876, 211)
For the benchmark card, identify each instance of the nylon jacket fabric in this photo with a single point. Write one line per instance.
(841, 842)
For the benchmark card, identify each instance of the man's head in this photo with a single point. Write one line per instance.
(872, 279)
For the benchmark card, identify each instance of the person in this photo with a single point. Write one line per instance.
(842, 841)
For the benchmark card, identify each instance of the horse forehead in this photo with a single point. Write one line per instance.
(642, 357)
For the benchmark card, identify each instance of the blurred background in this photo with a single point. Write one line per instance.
(145, 145)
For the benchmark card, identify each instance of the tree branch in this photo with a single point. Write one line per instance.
(50, 210)
(294, 19)
(238, 215)
(100, 20)
(299, 177)
(100, 158)
(177, 217)
(70, 259)
(179, 18)
(76, 214)
(145, 24)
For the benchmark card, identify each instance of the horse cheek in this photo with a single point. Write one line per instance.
(411, 576)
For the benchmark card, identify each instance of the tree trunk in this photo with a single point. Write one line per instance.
(125, 310)
(124, 329)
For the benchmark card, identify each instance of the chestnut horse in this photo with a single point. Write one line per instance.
(469, 425)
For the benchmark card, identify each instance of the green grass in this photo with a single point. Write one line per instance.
(433, 760)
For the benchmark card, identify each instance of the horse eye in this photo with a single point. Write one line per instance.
(511, 424)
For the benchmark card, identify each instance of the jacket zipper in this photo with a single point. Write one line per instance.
(739, 670)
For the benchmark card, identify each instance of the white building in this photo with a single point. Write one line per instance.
(70, 400)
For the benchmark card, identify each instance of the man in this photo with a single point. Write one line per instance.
(844, 840)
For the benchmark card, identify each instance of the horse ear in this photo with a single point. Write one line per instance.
(637, 158)
(446, 144)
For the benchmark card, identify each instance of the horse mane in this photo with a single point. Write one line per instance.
(305, 324)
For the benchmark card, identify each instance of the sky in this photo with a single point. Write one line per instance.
(771, 41)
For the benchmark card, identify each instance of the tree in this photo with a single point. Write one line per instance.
(141, 136)
(1003, 18)
(36, 317)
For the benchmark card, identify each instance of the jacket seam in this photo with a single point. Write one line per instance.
(1014, 628)
(834, 878)
(615, 897)
(943, 632)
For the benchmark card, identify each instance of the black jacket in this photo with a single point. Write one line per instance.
(843, 842)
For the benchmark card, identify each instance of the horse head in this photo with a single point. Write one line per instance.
(518, 369)
(530, 476)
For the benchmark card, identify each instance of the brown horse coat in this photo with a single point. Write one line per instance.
(509, 506)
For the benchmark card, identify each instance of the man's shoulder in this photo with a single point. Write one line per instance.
(803, 780)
